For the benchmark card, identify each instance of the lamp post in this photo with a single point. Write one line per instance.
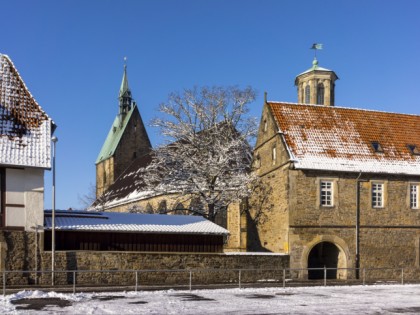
(54, 140)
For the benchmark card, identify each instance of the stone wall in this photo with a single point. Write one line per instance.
(18, 250)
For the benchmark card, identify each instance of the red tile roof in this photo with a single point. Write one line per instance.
(338, 138)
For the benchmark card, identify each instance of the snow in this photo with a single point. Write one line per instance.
(25, 129)
(133, 222)
(375, 299)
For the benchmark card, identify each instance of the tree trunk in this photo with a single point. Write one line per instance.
(212, 215)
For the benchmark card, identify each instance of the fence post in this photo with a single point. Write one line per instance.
(190, 279)
(239, 278)
(4, 283)
(137, 280)
(364, 276)
(74, 282)
(325, 276)
(284, 278)
(402, 275)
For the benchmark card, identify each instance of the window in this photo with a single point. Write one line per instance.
(320, 94)
(307, 94)
(377, 195)
(414, 196)
(377, 147)
(257, 161)
(326, 193)
(413, 149)
(265, 125)
(274, 155)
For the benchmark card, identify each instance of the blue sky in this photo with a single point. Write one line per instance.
(70, 55)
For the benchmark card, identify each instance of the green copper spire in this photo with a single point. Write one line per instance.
(125, 93)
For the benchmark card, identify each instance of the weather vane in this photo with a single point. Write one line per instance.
(316, 47)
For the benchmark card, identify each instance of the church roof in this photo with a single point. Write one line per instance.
(131, 222)
(127, 187)
(347, 139)
(114, 135)
(25, 129)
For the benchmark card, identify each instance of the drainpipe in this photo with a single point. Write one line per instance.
(357, 263)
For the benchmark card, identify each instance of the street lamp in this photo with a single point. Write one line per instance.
(54, 140)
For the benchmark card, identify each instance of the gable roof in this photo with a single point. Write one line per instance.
(341, 139)
(25, 129)
(131, 222)
(114, 135)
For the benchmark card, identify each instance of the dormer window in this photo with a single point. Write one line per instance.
(414, 150)
(377, 147)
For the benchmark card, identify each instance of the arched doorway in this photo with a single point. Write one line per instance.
(324, 254)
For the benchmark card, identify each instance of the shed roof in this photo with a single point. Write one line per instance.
(25, 129)
(341, 139)
(131, 222)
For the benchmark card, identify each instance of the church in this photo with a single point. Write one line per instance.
(341, 184)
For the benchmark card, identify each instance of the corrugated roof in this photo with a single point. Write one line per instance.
(25, 129)
(340, 139)
(131, 222)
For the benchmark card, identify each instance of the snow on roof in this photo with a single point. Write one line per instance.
(25, 129)
(340, 139)
(131, 222)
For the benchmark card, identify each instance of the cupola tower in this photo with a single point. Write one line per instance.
(316, 85)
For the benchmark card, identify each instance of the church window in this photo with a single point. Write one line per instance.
(257, 161)
(162, 208)
(326, 193)
(377, 195)
(320, 94)
(307, 94)
(265, 125)
(179, 209)
(414, 196)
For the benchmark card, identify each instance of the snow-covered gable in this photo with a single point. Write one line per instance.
(25, 129)
(132, 222)
(340, 139)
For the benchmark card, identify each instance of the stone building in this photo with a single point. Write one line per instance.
(127, 139)
(344, 183)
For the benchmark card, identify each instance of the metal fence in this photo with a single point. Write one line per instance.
(90, 280)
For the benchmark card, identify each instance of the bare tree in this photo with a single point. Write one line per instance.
(207, 155)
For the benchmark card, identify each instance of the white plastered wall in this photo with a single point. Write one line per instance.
(24, 197)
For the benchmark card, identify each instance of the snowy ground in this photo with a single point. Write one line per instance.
(377, 299)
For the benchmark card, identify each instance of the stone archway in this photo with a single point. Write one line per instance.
(344, 258)
(324, 254)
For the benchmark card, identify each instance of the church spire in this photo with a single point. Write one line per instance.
(124, 96)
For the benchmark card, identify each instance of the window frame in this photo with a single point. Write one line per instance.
(324, 201)
(375, 194)
(416, 204)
